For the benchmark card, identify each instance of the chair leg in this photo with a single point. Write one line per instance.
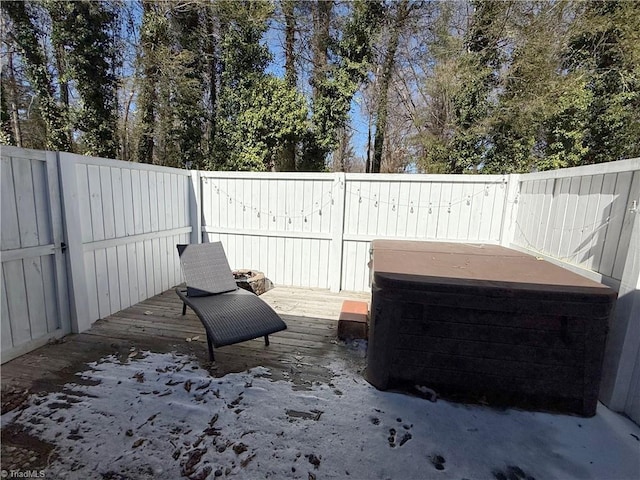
(210, 345)
(184, 308)
(266, 340)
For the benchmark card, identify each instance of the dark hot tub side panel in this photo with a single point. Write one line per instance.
(480, 337)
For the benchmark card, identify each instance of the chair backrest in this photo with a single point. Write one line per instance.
(206, 269)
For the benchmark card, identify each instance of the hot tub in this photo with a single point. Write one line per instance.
(484, 320)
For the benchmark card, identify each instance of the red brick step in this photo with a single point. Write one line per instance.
(352, 323)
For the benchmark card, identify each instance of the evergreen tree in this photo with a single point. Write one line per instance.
(340, 66)
(605, 46)
(37, 71)
(85, 30)
(257, 114)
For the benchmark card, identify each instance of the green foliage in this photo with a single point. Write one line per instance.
(336, 83)
(83, 28)
(523, 100)
(566, 127)
(35, 62)
(502, 86)
(172, 82)
(605, 44)
(273, 114)
(243, 59)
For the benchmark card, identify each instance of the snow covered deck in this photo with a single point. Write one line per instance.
(135, 398)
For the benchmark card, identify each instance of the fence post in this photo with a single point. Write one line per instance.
(80, 320)
(337, 231)
(510, 210)
(195, 207)
(58, 238)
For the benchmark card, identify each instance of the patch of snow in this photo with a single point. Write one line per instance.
(162, 416)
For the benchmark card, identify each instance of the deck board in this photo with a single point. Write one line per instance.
(301, 352)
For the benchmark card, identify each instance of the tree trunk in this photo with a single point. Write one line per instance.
(287, 159)
(60, 55)
(385, 81)
(148, 98)
(288, 9)
(212, 72)
(314, 153)
(368, 165)
(15, 118)
(320, 42)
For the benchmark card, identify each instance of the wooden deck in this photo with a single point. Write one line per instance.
(301, 352)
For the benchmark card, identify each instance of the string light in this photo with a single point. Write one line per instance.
(319, 205)
(412, 205)
(304, 214)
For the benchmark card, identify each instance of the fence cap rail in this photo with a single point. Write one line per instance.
(616, 166)
(106, 162)
(421, 177)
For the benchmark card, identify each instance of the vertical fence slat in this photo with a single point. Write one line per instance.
(631, 211)
(17, 306)
(25, 202)
(5, 319)
(616, 216)
(9, 231)
(339, 188)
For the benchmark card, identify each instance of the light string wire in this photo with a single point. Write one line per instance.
(259, 211)
(468, 199)
(588, 243)
(318, 208)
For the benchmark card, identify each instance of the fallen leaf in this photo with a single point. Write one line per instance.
(246, 461)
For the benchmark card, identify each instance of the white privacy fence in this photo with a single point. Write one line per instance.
(314, 230)
(35, 297)
(119, 222)
(581, 216)
(123, 221)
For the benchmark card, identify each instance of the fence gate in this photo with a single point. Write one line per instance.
(35, 300)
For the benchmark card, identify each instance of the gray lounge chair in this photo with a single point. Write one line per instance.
(229, 314)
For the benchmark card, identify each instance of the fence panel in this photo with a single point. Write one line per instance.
(34, 291)
(580, 216)
(129, 219)
(279, 224)
(454, 208)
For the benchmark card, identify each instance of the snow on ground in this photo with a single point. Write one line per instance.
(161, 416)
